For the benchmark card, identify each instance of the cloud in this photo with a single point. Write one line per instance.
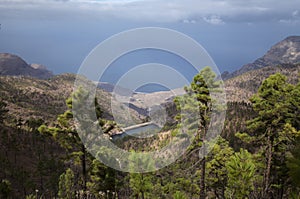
(189, 11)
(294, 18)
(295, 13)
(214, 19)
(190, 21)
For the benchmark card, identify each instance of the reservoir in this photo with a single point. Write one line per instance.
(143, 131)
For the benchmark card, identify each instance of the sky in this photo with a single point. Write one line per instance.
(61, 33)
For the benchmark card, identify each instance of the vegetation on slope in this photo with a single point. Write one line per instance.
(242, 87)
(261, 162)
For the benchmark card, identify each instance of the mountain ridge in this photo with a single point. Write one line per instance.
(287, 51)
(13, 65)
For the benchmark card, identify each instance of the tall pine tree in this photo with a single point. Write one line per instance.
(273, 105)
(197, 107)
(65, 132)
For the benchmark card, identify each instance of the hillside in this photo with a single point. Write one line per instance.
(14, 65)
(242, 87)
(286, 51)
(28, 159)
(29, 97)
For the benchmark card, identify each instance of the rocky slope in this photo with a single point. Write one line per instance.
(286, 51)
(13, 65)
(29, 97)
(242, 87)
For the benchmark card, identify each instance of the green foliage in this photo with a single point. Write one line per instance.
(228, 174)
(141, 183)
(65, 131)
(67, 185)
(216, 170)
(245, 137)
(102, 178)
(293, 164)
(195, 110)
(204, 84)
(179, 195)
(271, 104)
(294, 108)
(31, 196)
(197, 103)
(241, 169)
(276, 104)
(287, 139)
(5, 188)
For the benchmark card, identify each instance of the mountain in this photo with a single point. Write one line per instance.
(286, 51)
(29, 97)
(13, 65)
(242, 87)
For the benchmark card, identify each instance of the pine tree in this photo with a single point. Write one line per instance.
(241, 169)
(65, 130)
(273, 105)
(102, 178)
(141, 183)
(216, 171)
(67, 185)
(5, 188)
(179, 195)
(196, 107)
(293, 164)
(294, 108)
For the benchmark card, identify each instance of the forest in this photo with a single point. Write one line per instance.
(257, 155)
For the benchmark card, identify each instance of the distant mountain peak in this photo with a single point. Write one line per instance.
(11, 64)
(286, 51)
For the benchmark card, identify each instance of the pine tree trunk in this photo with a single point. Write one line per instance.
(142, 192)
(202, 179)
(83, 164)
(143, 195)
(266, 192)
(203, 162)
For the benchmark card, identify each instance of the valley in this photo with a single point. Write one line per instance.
(256, 155)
